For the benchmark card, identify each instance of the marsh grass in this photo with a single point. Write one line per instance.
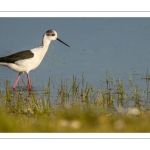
(76, 107)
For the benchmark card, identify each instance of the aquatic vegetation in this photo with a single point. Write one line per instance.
(76, 106)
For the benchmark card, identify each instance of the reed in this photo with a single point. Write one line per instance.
(77, 106)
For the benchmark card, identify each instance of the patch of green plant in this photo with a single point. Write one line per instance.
(76, 107)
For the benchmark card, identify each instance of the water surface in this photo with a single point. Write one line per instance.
(119, 45)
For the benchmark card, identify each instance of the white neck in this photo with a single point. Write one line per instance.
(42, 49)
(46, 42)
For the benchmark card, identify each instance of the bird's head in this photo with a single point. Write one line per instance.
(52, 35)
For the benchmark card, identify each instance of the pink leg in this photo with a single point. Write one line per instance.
(14, 86)
(29, 83)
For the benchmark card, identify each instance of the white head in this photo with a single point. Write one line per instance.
(52, 35)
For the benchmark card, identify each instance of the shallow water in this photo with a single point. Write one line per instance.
(119, 45)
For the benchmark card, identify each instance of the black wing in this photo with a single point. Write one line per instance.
(17, 56)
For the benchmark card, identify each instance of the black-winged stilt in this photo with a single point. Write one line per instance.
(27, 60)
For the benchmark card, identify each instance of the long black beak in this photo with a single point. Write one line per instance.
(62, 42)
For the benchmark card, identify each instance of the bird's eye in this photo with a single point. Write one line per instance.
(53, 34)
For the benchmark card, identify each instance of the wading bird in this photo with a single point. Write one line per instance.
(27, 60)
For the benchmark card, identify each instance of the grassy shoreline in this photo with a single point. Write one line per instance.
(77, 107)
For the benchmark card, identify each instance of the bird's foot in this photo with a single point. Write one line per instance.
(29, 88)
(13, 89)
